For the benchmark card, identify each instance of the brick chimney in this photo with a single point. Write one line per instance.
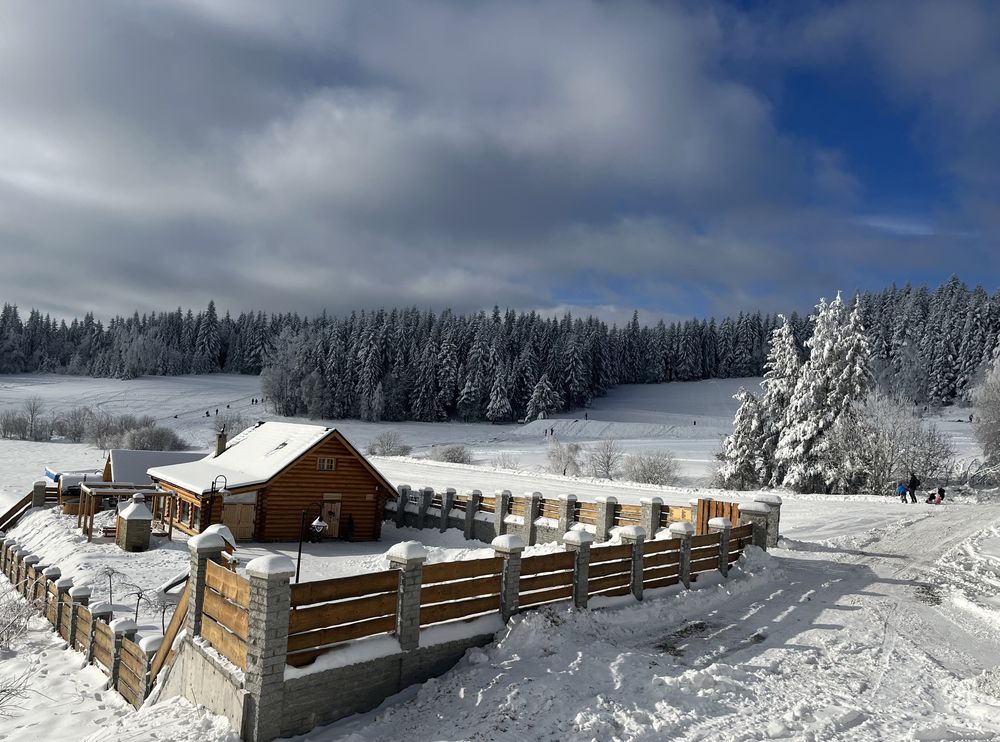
(220, 441)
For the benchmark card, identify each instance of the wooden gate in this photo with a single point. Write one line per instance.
(238, 517)
(708, 509)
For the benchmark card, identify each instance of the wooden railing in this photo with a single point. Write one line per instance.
(225, 616)
(453, 590)
(328, 612)
(660, 563)
(11, 517)
(165, 653)
(610, 570)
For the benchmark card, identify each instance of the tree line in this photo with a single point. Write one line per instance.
(413, 364)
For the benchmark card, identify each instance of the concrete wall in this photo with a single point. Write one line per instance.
(328, 695)
(200, 678)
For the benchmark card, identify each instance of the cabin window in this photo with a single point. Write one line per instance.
(326, 463)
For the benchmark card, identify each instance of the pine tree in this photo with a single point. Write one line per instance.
(742, 466)
(544, 400)
(498, 410)
(781, 373)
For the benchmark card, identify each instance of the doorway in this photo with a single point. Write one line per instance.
(331, 515)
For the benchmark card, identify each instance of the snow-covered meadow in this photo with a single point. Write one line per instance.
(876, 620)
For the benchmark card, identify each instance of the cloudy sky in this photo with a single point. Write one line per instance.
(679, 158)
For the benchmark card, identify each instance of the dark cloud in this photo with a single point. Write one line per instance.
(554, 155)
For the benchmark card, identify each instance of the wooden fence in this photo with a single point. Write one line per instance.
(225, 619)
(452, 590)
(546, 578)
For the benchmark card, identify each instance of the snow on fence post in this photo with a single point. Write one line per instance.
(51, 574)
(38, 494)
(149, 645)
(267, 644)
(724, 527)
(408, 557)
(99, 612)
(567, 512)
(579, 542)
(401, 503)
(63, 585)
(756, 514)
(605, 517)
(683, 531)
(501, 510)
(773, 503)
(447, 500)
(509, 549)
(426, 495)
(635, 535)
(204, 547)
(124, 628)
(532, 502)
(28, 589)
(651, 508)
(79, 596)
(471, 508)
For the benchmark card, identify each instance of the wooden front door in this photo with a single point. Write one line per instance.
(238, 517)
(331, 516)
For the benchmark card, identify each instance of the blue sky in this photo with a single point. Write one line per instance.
(682, 159)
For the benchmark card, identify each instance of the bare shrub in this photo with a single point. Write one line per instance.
(231, 422)
(604, 459)
(14, 616)
(12, 690)
(105, 430)
(13, 425)
(564, 459)
(34, 409)
(657, 467)
(153, 438)
(72, 424)
(505, 460)
(453, 454)
(388, 443)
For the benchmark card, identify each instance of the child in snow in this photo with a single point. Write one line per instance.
(936, 498)
(901, 491)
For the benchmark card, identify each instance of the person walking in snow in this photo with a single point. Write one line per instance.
(914, 483)
(901, 491)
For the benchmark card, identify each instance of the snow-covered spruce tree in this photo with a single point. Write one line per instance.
(781, 373)
(986, 420)
(498, 410)
(835, 375)
(741, 466)
(544, 399)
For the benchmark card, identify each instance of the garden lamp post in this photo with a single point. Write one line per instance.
(317, 526)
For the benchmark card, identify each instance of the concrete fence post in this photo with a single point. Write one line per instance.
(447, 501)
(685, 532)
(509, 549)
(124, 628)
(756, 514)
(502, 509)
(51, 574)
(567, 512)
(579, 543)
(605, 517)
(652, 507)
(471, 508)
(149, 645)
(28, 590)
(63, 585)
(724, 527)
(267, 644)
(3, 550)
(532, 503)
(204, 548)
(426, 495)
(98, 612)
(38, 494)
(636, 536)
(80, 595)
(773, 503)
(401, 503)
(19, 554)
(408, 557)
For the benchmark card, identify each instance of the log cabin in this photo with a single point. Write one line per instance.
(263, 482)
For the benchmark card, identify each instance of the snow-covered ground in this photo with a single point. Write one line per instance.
(876, 620)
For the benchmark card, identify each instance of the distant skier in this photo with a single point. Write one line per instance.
(586, 416)
(901, 491)
(912, 487)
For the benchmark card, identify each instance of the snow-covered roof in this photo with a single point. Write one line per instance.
(253, 457)
(131, 466)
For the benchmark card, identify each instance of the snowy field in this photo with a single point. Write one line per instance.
(875, 621)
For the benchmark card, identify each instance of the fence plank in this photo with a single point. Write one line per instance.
(229, 584)
(539, 582)
(334, 614)
(705, 565)
(704, 552)
(608, 553)
(104, 645)
(706, 539)
(228, 614)
(659, 560)
(456, 590)
(657, 572)
(339, 588)
(654, 547)
(448, 571)
(431, 614)
(547, 563)
(545, 596)
(312, 639)
(610, 568)
(604, 583)
(664, 582)
(224, 642)
(176, 621)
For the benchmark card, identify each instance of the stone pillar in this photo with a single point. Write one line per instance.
(471, 508)
(605, 517)
(773, 503)
(38, 494)
(652, 507)
(426, 495)
(136, 524)
(579, 542)
(51, 574)
(567, 512)
(204, 548)
(3, 551)
(124, 628)
(149, 645)
(685, 532)
(401, 503)
(447, 500)
(532, 503)
(724, 527)
(28, 590)
(80, 595)
(98, 612)
(636, 536)
(502, 508)
(509, 549)
(408, 557)
(18, 567)
(756, 514)
(63, 586)
(267, 645)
